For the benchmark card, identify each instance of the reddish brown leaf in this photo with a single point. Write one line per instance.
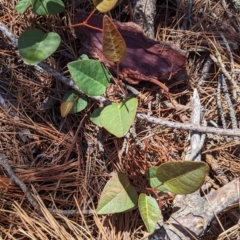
(114, 47)
(146, 59)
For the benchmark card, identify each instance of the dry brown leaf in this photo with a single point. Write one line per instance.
(114, 46)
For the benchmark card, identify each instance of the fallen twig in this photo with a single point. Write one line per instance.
(205, 71)
(135, 137)
(228, 100)
(229, 51)
(197, 150)
(195, 119)
(219, 104)
(221, 65)
(217, 169)
(189, 126)
(144, 14)
(19, 182)
(187, 19)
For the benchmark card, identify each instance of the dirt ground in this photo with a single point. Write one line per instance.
(64, 163)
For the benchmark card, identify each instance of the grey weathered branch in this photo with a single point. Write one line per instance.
(189, 126)
(144, 14)
(205, 71)
(195, 119)
(19, 182)
(191, 216)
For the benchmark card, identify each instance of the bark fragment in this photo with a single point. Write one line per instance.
(145, 60)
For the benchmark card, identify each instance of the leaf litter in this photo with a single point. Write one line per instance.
(69, 172)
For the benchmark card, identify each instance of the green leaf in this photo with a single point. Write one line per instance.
(45, 7)
(79, 105)
(95, 116)
(149, 211)
(90, 76)
(153, 180)
(118, 117)
(118, 195)
(83, 57)
(35, 46)
(72, 103)
(22, 6)
(182, 177)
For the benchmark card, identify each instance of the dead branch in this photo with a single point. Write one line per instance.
(221, 65)
(228, 100)
(20, 183)
(205, 71)
(187, 19)
(229, 51)
(219, 104)
(195, 119)
(217, 169)
(194, 214)
(188, 126)
(144, 14)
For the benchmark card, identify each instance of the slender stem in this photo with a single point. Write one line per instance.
(85, 23)
(90, 15)
(117, 81)
(117, 71)
(92, 27)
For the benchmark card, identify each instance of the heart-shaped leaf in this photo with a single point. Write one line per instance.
(90, 76)
(44, 7)
(95, 116)
(114, 46)
(72, 103)
(35, 46)
(182, 177)
(22, 5)
(153, 180)
(118, 195)
(104, 6)
(149, 210)
(118, 117)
